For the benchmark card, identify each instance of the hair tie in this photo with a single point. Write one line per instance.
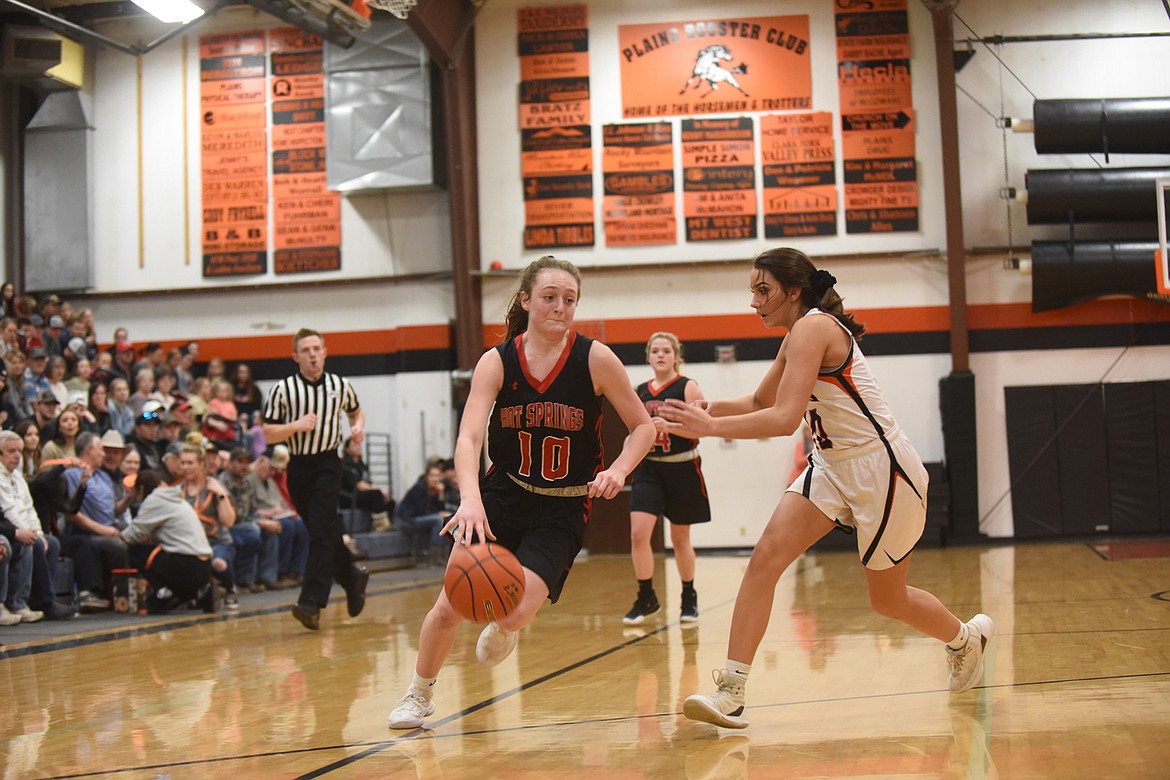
(820, 281)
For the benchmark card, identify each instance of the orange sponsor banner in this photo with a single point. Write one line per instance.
(301, 87)
(298, 185)
(638, 172)
(554, 65)
(556, 144)
(556, 150)
(303, 261)
(231, 117)
(715, 66)
(227, 92)
(799, 178)
(877, 116)
(233, 44)
(298, 136)
(300, 235)
(719, 184)
(306, 217)
(234, 149)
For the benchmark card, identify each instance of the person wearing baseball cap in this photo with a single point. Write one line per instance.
(34, 376)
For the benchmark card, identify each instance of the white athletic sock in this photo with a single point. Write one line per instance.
(960, 640)
(738, 671)
(423, 684)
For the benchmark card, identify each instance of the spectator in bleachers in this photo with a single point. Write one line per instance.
(55, 377)
(168, 545)
(26, 306)
(14, 364)
(8, 299)
(358, 490)
(422, 514)
(143, 389)
(51, 337)
(144, 438)
(10, 334)
(100, 368)
(76, 353)
(49, 305)
(211, 502)
(6, 617)
(114, 451)
(30, 328)
(32, 593)
(215, 370)
(271, 506)
(62, 440)
(79, 403)
(257, 548)
(184, 414)
(121, 415)
(91, 537)
(131, 462)
(152, 357)
(169, 472)
(30, 434)
(99, 406)
(170, 430)
(80, 380)
(280, 457)
(184, 372)
(123, 361)
(164, 386)
(199, 397)
(245, 394)
(45, 410)
(121, 336)
(9, 417)
(219, 424)
(35, 380)
(76, 329)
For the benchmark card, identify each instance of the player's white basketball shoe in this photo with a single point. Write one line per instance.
(724, 708)
(495, 644)
(409, 713)
(967, 662)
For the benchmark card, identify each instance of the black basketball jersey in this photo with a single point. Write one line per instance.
(547, 433)
(666, 443)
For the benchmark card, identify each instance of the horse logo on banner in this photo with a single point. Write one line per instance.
(709, 69)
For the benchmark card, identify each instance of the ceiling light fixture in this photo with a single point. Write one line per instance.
(170, 11)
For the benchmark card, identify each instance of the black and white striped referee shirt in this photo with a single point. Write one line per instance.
(331, 398)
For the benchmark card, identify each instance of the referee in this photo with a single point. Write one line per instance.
(305, 410)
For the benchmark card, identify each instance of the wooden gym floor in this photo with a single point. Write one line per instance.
(1077, 681)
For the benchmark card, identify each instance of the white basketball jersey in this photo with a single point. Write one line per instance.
(846, 408)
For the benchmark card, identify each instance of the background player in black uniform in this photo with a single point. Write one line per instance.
(540, 394)
(669, 482)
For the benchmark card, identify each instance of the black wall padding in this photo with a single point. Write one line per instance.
(956, 393)
(1133, 457)
(1083, 458)
(1089, 459)
(1113, 126)
(1162, 435)
(1064, 274)
(1032, 461)
(1097, 195)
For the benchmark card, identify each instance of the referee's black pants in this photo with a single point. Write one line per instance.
(314, 483)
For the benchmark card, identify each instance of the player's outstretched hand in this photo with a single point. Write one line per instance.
(683, 419)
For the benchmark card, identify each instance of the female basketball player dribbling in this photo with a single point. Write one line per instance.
(539, 396)
(864, 475)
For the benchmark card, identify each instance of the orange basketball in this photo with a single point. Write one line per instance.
(484, 581)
